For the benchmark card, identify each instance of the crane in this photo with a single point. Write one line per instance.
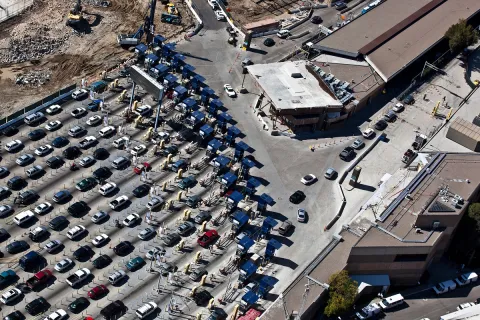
(148, 28)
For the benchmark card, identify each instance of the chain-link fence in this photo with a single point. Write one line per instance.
(9, 11)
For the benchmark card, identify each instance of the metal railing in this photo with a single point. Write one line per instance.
(7, 12)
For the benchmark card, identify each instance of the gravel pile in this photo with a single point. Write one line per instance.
(34, 78)
(32, 44)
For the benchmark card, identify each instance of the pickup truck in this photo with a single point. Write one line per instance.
(39, 278)
(78, 277)
(118, 202)
(87, 142)
(369, 311)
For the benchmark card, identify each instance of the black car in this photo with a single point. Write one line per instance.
(17, 247)
(4, 235)
(78, 208)
(102, 261)
(58, 223)
(114, 310)
(173, 150)
(60, 142)
(55, 162)
(101, 154)
(78, 305)
(72, 152)
(269, 42)
(16, 183)
(381, 125)
(297, 197)
(102, 173)
(141, 190)
(36, 134)
(409, 99)
(27, 197)
(347, 153)
(15, 315)
(125, 72)
(339, 5)
(83, 253)
(10, 131)
(316, 19)
(123, 248)
(37, 306)
(201, 297)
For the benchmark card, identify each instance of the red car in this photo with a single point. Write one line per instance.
(97, 292)
(142, 167)
(207, 238)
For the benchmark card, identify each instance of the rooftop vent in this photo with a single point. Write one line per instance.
(297, 75)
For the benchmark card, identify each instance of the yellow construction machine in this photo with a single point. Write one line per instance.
(75, 16)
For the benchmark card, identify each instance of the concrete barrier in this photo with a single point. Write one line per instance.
(316, 6)
(199, 24)
(296, 36)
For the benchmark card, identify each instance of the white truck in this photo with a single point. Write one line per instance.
(78, 277)
(444, 286)
(369, 311)
(466, 278)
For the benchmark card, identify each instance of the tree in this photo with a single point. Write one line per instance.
(474, 213)
(341, 294)
(461, 35)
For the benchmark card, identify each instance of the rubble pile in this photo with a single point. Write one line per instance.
(32, 45)
(34, 78)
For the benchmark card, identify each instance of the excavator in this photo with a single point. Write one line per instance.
(75, 16)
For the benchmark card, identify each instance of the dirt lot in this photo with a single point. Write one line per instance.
(40, 40)
(247, 11)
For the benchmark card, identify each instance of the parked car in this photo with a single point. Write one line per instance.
(297, 197)
(357, 144)
(53, 125)
(87, 161)
(308, 179)
(99, 216)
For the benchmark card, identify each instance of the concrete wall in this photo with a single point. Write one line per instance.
(463, 139)
(12, 8)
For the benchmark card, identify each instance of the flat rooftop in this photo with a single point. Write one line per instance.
(396, 225)
(288, 92)
(335, 259)
(374, 27)
(399, 52)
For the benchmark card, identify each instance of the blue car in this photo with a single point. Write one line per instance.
(60, 142)
(135, 263)
(94, 105)
(61, 196)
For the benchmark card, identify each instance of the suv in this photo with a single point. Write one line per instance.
(37, 233)
(285, 227)
(145, 310)
(33, 118)
(78, 208)
(55, 162)
(347, 153)
(27, 197)
(120, 162)
(37, 306)
(72, 152)
(58, 223)
(101, 174)
(16, 183)
(76, 131)
(115, 277)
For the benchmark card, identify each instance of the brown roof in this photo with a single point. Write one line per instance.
(467, 128)
(399, 224)
(399, 52)
(375, 26)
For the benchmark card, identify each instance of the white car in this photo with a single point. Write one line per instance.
(106, 131)
(24, 159)
(76, 131)
(309, 178)
(93, 121)
(219, 15)
(43, 208)
(63, 265)
(34, 171)
(398, 107)
(43, 150)
(78, 112)
(13, 145)
(86, 161)
(138, 150)
(52, 245)
(100, 240)
(283, 33)
(99, 216)
(79, 94)
(145, 310)
(367, 133)
(146, 233)
(118, 202)
(107, 188)
(10, 295)
(357, 144)
(229, 90)
(301, 215)
(53, 109)
(60, 314)
(75, 232)
(131, 220)
(53, 125)
(155, 202)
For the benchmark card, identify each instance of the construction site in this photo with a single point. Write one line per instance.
(40, 54)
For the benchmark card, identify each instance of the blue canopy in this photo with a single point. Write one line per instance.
(170, 46)
(188, 67)
(230, 178)
(198, 115)
(234, 131)
(274, 243)
(171, 78)
(222, 160)
(248, 163)
(158, 39)
(215, 144)
(179, 57)
(242, 146)
(253, 182)
(199, 78)
(235, 195)
(239, 215)
(141, 48)
(266, 198)
(246, 242)
(181, 90)
(217, 103)
(153, 58)
(206, 130)
(225, 117)
(208, 91)
(269, 221)
(161, 68)
(250, 297)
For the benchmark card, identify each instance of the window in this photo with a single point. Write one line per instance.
(410, 257)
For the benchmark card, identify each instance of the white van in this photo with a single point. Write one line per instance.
(466, 278)
(23, 217)
(445, 286)
(391, 302)
(120, 142)
(283, 33)
(106, 131)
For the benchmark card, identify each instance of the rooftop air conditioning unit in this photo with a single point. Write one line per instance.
(418, 230)
(459, 199)
(296, 75)
(456, 203)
